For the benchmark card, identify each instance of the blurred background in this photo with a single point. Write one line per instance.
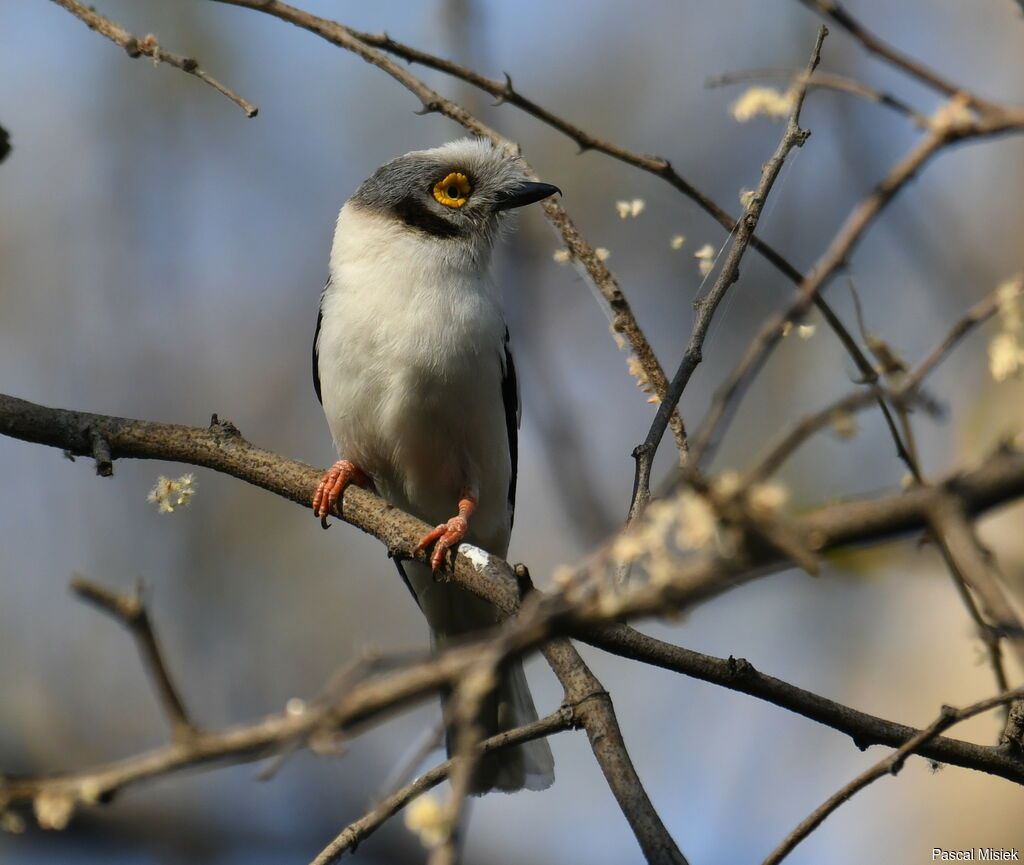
(161, 257)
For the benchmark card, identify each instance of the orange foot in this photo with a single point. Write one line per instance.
(448, 535)
(333, 484)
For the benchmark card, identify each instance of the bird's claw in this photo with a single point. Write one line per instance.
(332, 485)
(444, 537)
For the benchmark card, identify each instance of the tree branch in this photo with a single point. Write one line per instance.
(998, 480)
(891, 765)
(738, 674)
(131, 612)
(150, 48)
(793, 136)
(838, 14)
(952, 124)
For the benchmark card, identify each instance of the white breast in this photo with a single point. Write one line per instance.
(411, 351)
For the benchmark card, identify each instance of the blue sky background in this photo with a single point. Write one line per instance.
(161, 257)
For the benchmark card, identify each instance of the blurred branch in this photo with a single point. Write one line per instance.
(682, 583)
(905, 394)
(974, 568)
(823, 80)
(465, 705)
(793, 136)
(131, 612)
(150, 48)
(952, 529)
(891, 765)
(623, 321)
(55, 797)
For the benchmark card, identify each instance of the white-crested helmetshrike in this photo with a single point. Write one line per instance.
(411, 362)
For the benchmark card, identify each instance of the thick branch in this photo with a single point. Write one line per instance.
(738, 674)
(222, 448)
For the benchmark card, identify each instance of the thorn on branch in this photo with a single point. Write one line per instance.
(523, 580)
(1012, 737)
(224, 429)
(101, 453)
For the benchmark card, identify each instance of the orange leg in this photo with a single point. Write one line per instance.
(447, 535)
(333, 484)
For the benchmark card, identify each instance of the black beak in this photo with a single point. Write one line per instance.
(526, 193)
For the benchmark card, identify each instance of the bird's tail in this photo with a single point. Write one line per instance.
(453, 613)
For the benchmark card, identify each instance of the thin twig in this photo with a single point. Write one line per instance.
(365, 699)
(977, 314)
(356, 832)
(891, 765)
(405, 771)
(793, 136)
(825, 80)
(131, 612)
(150, 48)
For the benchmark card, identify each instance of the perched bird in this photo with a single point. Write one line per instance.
(411, 363)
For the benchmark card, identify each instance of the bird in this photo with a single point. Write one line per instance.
(413, 368)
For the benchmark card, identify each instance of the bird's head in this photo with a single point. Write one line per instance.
(458, 190)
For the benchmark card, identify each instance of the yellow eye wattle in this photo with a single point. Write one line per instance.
(453, 190)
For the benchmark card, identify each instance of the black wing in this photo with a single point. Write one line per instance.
(510, 396)
(316, 340)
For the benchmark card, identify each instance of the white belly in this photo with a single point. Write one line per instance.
(410, 366)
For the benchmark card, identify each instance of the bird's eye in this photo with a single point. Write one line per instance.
(453, 190)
